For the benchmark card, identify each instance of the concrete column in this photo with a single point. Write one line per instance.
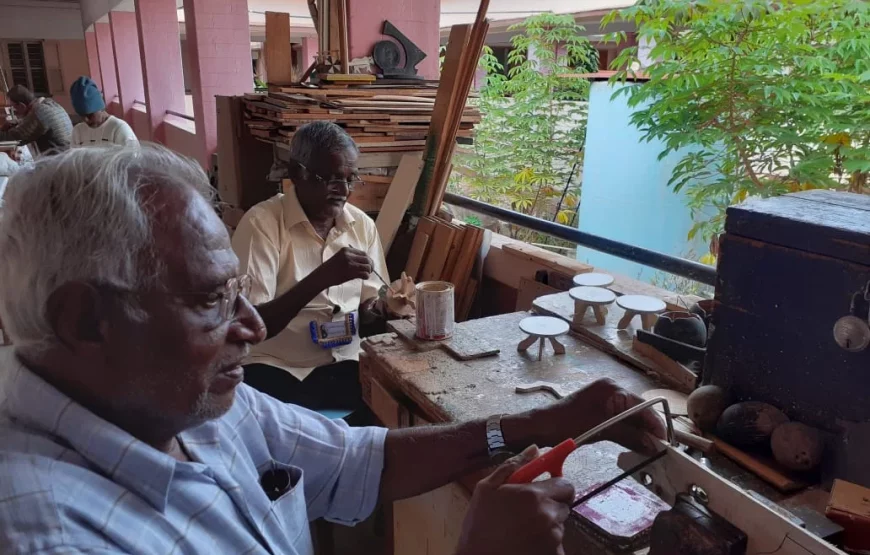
(419, 21)
(160, 49)
(93, 58)
(219, 45)
(307, 53)
(125, 40)
(107, 64)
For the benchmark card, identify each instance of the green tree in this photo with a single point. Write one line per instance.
(762, 97)
(531, 136)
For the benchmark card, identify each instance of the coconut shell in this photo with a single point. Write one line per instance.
(705, 406)
(749, 424)
(797, 446)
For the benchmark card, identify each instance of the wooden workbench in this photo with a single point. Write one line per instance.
(410, 387)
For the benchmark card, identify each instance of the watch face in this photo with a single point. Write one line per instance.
(501, 456)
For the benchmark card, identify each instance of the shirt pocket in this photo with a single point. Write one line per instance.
(289, 513)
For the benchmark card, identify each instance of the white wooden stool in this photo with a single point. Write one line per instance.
(593, 280)
(596, 298)
(540, 328)
(648, 308)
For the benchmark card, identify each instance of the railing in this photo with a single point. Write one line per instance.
(660, 261)
(180, 115)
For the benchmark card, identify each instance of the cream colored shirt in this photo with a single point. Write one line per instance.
(277, 246)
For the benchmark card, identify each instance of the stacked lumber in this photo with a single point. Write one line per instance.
(457, 76)
(444, 251)
(379, 119)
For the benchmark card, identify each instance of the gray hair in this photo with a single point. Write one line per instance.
(318, 138)
(83, 215)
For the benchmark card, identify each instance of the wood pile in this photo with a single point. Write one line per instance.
(444, 251)
(379, 119)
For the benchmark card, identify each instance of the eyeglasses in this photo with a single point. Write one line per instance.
(334, 183)
(218, 306)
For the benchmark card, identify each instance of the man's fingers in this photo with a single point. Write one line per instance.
(557, 489)
(503, 472)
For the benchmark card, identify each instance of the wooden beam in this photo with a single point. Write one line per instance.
(278, 50)
(398, 198)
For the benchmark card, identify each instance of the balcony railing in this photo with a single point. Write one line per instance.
(660, 261)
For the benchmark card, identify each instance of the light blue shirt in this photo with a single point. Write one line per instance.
(71, 482)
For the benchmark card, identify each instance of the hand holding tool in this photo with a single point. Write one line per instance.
(552, 461)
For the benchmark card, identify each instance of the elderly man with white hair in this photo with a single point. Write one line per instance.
(126, 427)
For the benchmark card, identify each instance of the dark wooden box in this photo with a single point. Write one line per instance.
(788, 267)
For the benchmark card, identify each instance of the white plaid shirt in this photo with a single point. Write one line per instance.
(71, 482)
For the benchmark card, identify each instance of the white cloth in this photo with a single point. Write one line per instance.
(278, 247)
(113, 131)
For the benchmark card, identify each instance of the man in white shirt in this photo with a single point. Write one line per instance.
(98, 128)
(314, 260)
(125, 428)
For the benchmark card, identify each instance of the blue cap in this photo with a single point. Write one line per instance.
(86, 97)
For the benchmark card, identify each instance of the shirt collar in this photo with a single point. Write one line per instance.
(127, 461)
(294, 214)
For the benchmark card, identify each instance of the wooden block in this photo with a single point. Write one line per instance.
(279, 61)
(385, 407)
(418, 251)
(465, 345)
(468, 299)
(849, 506)
(349, 78)
(439, 249)
(228, 131)
(399, 195)
(546, 259)
(529, 291)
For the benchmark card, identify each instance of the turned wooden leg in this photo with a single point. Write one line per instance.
(649, 320)
(526, 343)
(625, 321)
(600, 314)
(558, 348)
(541, 349)
(580, 309)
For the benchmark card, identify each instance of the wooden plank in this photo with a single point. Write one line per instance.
(546, 258)
(385, 407)
(758, 466)
(418, 251)
(430, 523)
(438, 251)
(343, 43)
(529, 291)
(464, 265)
(354, 92)
(369, 198)
(468, 299)
(399, 195)
(278, 50)
(670, 371)
(228, 132)
(453, 255)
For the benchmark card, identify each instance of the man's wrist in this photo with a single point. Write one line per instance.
(518, 431)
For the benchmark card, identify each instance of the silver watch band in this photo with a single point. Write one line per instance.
(494, 438)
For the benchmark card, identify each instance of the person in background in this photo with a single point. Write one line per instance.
(98, 128)
(314, 260)
(125, 427)
(42, 121)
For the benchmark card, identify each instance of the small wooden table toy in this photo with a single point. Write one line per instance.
(593, 280)
(540, 328)
(596, 298)
(648, 308)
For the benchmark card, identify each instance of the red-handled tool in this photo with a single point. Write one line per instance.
(552, 461)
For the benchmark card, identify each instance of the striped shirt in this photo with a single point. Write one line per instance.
(71, 482)
(47, 124)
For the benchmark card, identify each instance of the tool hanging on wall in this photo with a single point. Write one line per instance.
(387, 55)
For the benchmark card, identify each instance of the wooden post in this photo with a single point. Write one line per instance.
(279, 59)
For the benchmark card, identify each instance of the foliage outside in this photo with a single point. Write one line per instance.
(528, 146)
(760, 97)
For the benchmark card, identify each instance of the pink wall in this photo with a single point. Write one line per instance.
(162, 78)
(93, 58)
(307, 53)
(219, 42)
(72, 60)
(417, 20)
(107, 62)
(181, 137)
(125, 40)
(141, 123)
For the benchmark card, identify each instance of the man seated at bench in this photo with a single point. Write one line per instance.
(125, 427)
(314, 261)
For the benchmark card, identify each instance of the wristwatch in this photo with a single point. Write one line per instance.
(498, 451)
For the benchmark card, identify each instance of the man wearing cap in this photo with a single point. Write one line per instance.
(98, 128)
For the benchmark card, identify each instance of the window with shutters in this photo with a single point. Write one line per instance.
(27, 66)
